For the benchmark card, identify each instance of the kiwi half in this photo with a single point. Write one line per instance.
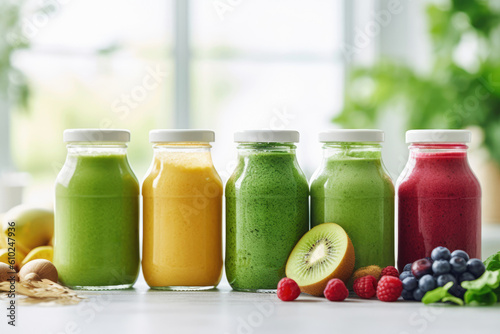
(323, 253)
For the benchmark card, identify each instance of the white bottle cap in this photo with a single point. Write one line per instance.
(96, 135)
(352, 135)
(267, 136)
(438, 136)
(182, 135)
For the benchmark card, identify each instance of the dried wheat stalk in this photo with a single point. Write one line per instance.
(44, 291)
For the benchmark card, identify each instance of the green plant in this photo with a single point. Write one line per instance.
(493, 262)
(454, 94)
(16, 18)
(13, 83)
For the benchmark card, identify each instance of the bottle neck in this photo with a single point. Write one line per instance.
(181, 147)
(91, 149)
(96, 154)
(342, 151)
(181, 154)
(438, 151)
(446, 160)
(257, 148)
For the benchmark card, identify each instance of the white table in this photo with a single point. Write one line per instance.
(141, 310)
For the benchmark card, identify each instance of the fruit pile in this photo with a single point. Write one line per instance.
(387, 289)
(322, 262)
(315, 269)
(442, 267)
(30, 238)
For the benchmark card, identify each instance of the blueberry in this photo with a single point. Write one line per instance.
(418, 294)
(440, 267)
(460, 253)
(466, 277)
(421, 267)
(404, 275)
(458, 265)
(457, 291)
(443, 279)
(441, 253)
(475, 267)
(427, 283)
(407, 295)
(410, 283)
(407, 267)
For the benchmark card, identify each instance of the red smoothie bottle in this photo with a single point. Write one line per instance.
(439, 197)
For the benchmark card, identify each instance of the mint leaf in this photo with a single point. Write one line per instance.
(476, 299)
(493, 262)
(453, 299)
(483, 291)
(497, 293)
(490, 279)
(437, 294)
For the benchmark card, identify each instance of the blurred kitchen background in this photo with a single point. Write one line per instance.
(229, 65)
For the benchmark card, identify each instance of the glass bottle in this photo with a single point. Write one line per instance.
(439, 197)
(182, 204)
(352, 188)
(266, 209)
(96, 244)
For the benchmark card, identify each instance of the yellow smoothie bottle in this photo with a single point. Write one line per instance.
(182, 207)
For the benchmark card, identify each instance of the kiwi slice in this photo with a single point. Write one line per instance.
(323, 253)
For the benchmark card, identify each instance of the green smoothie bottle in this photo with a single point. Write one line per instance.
(266, 209)
(96, 244)
(352, 188)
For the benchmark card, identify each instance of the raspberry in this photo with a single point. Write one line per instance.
(390, 271)
(365, 287)
(288, 290)
(336, 290)
(389, 289)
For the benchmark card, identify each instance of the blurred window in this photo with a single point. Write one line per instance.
(112, 64)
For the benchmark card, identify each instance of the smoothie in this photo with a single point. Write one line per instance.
(356, 193)
(182, 221)
(439, 204)
(266, 215)
(97, 222)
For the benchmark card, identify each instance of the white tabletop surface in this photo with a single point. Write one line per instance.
(222, 311)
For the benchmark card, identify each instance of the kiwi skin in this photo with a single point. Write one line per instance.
(343, 272)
